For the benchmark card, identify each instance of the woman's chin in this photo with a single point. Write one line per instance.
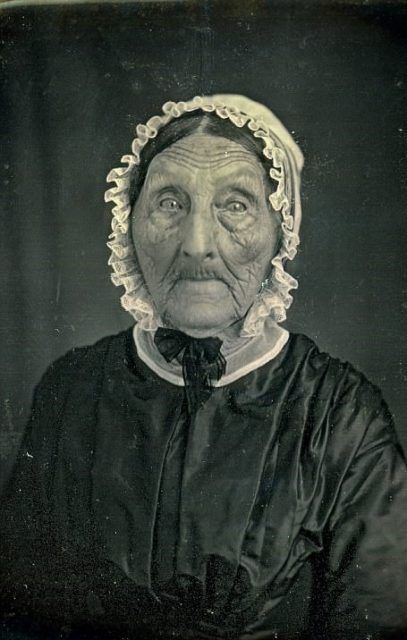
(198, 320)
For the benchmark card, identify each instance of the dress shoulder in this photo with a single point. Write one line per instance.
(357, 409)
(80, 361)
(82, 368)
(342, 374)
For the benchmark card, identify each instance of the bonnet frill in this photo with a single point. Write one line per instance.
(286, 161)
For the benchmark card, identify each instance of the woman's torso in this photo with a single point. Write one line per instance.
(204, 524)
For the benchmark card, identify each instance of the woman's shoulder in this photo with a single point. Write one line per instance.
(82, 361)
(303, 353)
(352, 400)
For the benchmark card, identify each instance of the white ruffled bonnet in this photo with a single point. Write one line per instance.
(286, 162)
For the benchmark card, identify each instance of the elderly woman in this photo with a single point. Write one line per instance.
(206, 474)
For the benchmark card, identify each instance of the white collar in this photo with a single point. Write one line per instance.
(251, 354)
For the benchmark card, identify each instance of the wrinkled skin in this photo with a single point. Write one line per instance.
(204, 233)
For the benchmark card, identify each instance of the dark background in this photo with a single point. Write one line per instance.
(75, 80)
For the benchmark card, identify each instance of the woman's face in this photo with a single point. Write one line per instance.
(204, 233)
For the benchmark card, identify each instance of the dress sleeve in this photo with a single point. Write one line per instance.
(25, 527)
(32, 561)
(362, 575)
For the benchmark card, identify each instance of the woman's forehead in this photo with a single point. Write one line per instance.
(205, 153)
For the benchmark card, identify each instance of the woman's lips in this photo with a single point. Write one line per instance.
(201, 287)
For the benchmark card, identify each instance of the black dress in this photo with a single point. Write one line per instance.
(279, 510)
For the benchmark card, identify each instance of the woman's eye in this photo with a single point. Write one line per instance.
(236, 207)
(170, 204)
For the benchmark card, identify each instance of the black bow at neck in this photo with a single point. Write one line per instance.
(201, 359)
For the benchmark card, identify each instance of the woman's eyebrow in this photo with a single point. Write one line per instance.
(158, 182)
(245, 183)
(158, 179)
(245, 193)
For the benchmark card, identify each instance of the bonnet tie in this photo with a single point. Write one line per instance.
(201, 359)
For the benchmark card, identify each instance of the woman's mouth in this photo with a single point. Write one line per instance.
(203, 287)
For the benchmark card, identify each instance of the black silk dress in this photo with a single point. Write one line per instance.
(278, 511)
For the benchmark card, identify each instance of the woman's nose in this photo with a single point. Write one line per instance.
(197, 239)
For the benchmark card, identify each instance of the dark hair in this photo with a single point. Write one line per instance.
(185, 126)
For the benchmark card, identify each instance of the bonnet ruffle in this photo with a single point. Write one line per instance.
(286, 163)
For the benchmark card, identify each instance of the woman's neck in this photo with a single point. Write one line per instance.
(242, 354)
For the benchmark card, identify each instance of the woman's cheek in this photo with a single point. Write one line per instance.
(151, 225)
(159, 230)
(147, 235)
(159, 245)
(245, 245)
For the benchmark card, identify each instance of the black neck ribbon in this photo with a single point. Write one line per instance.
(201, 359)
